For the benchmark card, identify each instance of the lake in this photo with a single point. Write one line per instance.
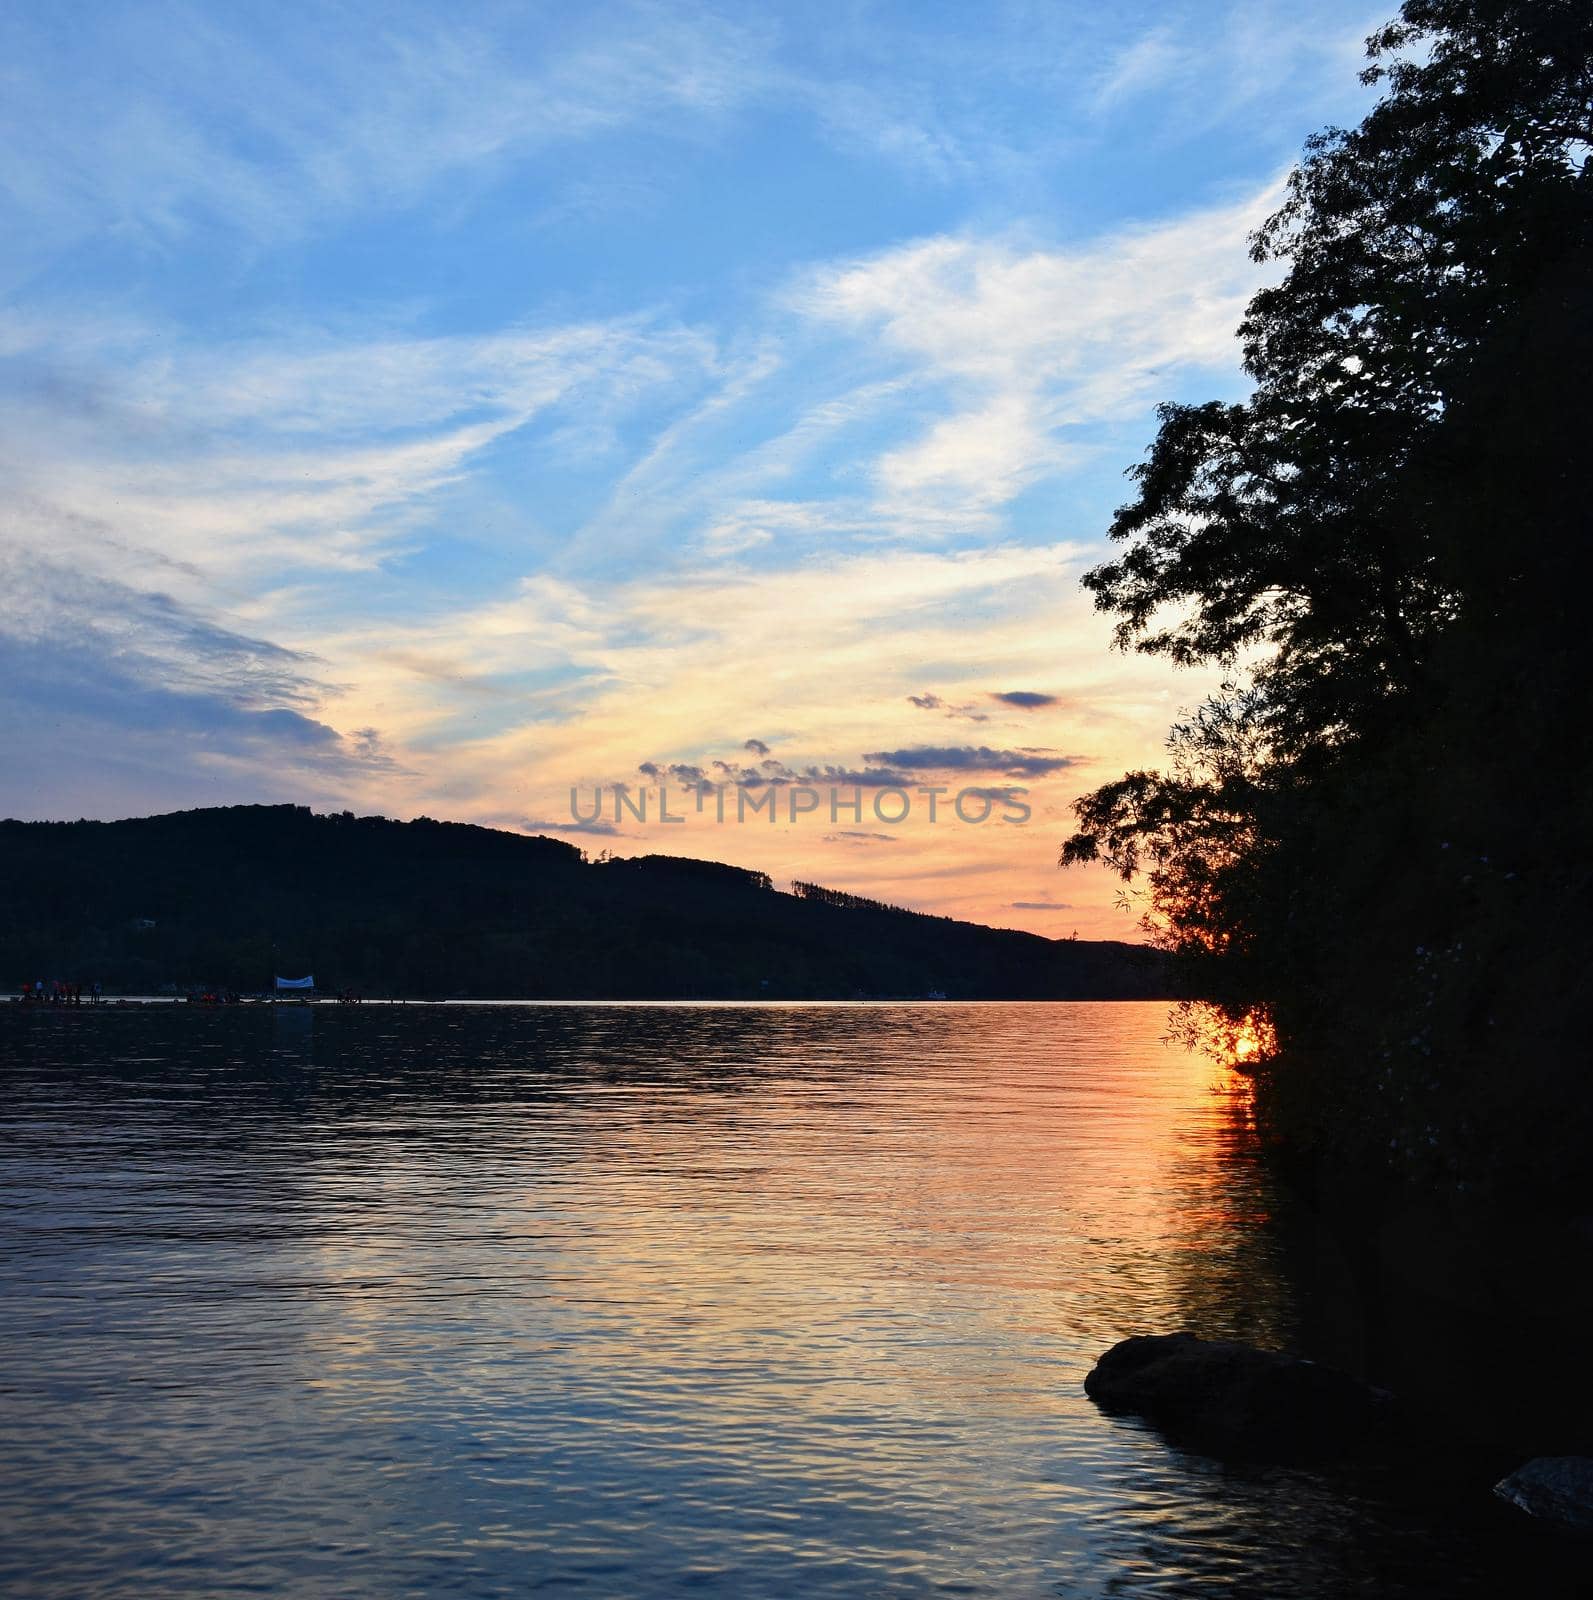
(784, 1300)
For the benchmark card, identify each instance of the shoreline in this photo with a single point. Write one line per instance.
(260, 1003)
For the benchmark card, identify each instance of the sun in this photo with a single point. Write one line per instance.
(1253, 1040)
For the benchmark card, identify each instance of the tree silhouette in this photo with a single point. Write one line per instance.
(1377, 829)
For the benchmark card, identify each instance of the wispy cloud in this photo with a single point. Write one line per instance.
(1195, 72)
(201, 120)
(973, 758)
(592, 825)
(1029, 346)
(1144, 64)
(266, 455)
(929, 701)
(168, 703)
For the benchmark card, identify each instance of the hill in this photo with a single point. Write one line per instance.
(228, 896)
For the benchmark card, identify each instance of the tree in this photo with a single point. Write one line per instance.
(1392, 531)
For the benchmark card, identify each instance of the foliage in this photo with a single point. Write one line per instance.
(839, 897)
(1377, 830)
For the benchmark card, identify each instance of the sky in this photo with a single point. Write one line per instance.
(433, 410)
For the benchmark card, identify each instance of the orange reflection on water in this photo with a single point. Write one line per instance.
(1256, 1039)
(955, 1198)
(763, 1300)
(1244, 1042)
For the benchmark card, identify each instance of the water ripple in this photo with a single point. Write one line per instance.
(632, 1300)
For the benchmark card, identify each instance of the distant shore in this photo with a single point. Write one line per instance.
(266, 1002)
(371, 906)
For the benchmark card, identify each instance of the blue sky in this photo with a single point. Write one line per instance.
(425, 409)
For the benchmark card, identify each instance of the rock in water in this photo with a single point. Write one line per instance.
(1555, 1489)
(1228, 1398)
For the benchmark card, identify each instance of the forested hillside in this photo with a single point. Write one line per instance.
(230, 897)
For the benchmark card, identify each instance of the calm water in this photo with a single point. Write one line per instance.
(634, 1300)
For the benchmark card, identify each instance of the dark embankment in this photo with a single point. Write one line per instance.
(228, 897)
(1474, 1309)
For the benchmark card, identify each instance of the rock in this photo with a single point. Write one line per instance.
(1555, 1489)
(1233, 1399)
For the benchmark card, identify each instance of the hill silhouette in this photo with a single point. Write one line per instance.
(228, 897)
